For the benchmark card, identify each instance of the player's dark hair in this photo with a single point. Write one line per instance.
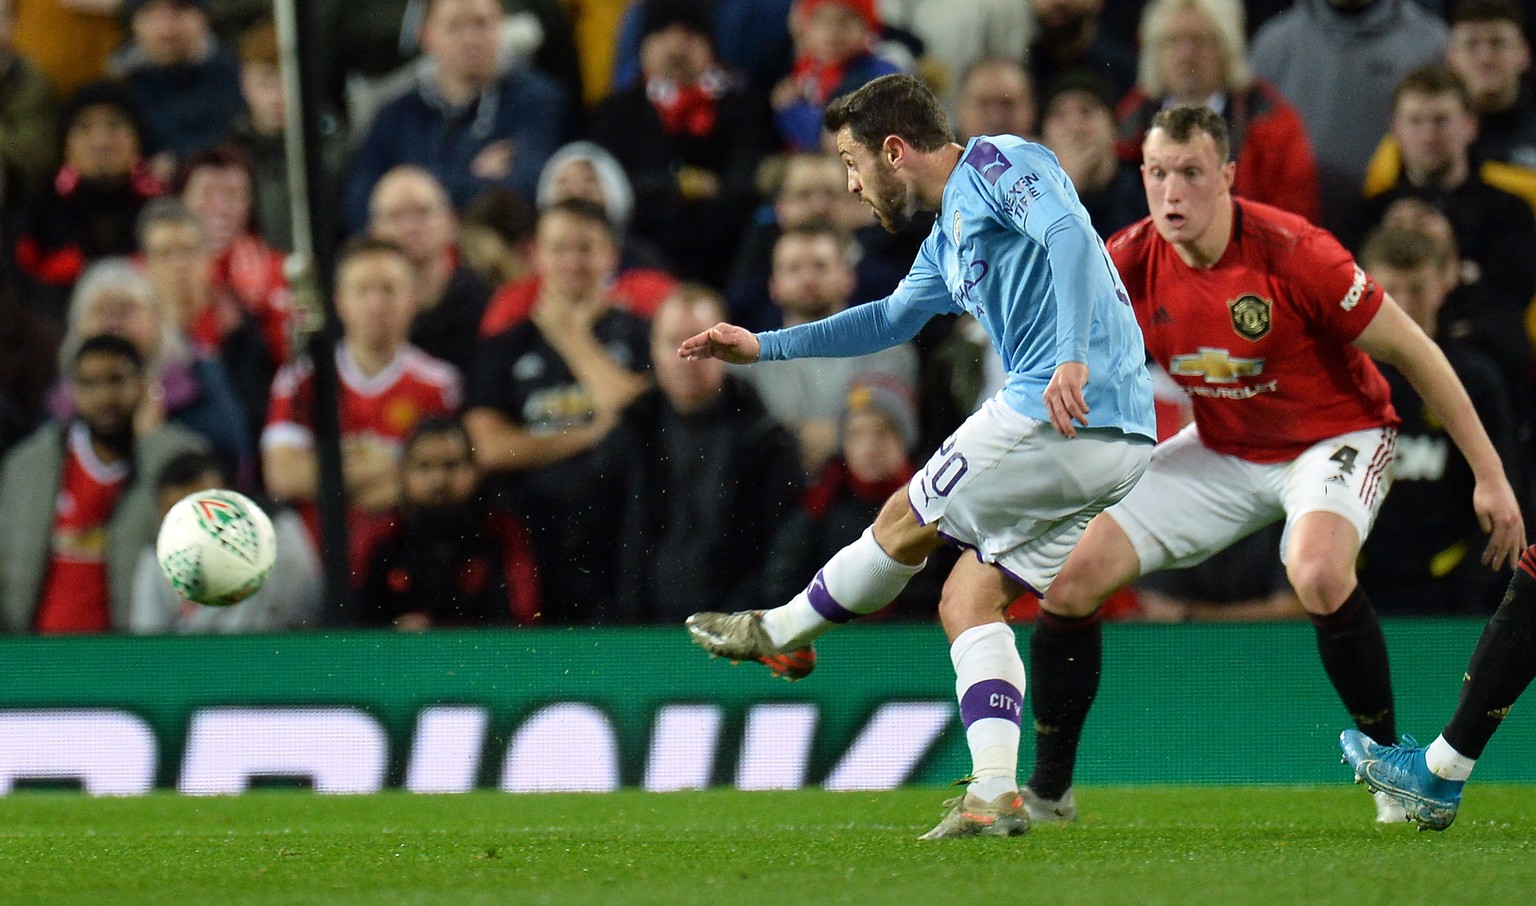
(1489, 11)
(185, 468)
(1405, 250)
(432, 426)
(363, 244)
(1433, 80)
(898, 105)
(583, 209)
(1182, 122)
(109, 344)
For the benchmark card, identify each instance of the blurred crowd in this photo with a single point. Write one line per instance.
(537, 200)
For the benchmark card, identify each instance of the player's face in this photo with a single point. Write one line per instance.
(811, 278)
(1187, 185)
(873, 178)
(106, 389)
(1490, 57)
(1419, 291)
(376, 299)
(1433, 132)
(438, 472)
(872, 446)
(1189, 57)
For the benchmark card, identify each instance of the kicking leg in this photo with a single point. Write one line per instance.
(859, 579)
(1066, 657)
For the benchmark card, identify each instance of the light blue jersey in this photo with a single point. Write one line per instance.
(1014, 247)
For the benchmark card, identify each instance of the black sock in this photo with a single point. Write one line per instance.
(1066, 655)
(1503, 664)
(1355, 656)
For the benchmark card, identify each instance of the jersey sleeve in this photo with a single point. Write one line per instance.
(1025, 185)
(868, 328)
(290, 411)
(1337, 295)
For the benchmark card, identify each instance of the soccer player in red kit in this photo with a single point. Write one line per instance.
(1269, 326)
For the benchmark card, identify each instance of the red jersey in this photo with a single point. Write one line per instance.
(75, 595)
(375, 409)
(379, 410)
(1261, 340)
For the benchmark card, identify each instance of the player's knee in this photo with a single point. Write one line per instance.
(900, 534)
(1075, 593)
(1321, 584)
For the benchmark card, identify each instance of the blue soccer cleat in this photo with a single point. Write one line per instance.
(1401, 773)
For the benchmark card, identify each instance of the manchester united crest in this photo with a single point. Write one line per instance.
(1250, 316)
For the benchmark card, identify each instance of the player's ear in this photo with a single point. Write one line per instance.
(893, 150)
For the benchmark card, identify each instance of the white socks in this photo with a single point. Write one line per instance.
(859, 579)
(989, 682)
(1447, 763)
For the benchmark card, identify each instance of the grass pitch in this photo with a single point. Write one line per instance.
(1137, 845)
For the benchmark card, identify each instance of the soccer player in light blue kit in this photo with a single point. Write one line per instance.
(1021, 478)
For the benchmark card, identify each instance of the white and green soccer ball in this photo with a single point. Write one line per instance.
(216, 547)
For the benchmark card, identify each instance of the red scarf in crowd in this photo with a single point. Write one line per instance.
(688, 109)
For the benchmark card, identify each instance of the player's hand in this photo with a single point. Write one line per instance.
(725, 342)
(1499, 515)
(1064, 397)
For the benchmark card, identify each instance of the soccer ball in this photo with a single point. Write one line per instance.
(216, 547)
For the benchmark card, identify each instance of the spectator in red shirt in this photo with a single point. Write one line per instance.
(79, 499)
(386, 386)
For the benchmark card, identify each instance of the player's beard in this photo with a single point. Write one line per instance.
(891, 201)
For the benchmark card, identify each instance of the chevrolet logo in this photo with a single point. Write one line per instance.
(1217, 366)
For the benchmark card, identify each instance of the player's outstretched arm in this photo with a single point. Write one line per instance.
(726, 342)
(1394, 338)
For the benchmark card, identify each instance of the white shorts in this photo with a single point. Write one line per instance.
(1018, 493)
(1193, 501)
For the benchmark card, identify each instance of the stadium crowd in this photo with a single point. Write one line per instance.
(537, 201)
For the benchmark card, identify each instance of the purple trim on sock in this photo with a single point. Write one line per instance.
(824, 603)
(1005, 571)
(992, 698)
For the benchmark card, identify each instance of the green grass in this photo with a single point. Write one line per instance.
(1138, 845)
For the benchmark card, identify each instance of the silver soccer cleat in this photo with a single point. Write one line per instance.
(740, 636)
